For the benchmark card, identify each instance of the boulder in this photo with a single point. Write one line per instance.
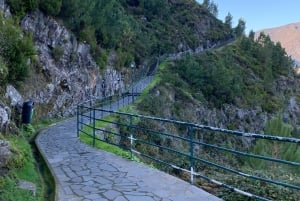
(5, 113)
(13, 96)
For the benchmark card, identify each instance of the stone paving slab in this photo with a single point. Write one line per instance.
(83, 173)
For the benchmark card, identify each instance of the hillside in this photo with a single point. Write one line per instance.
(236, 87)
(86, 48)
(59, 53)
(289, 37)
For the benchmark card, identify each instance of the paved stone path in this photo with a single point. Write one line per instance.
(83, 173)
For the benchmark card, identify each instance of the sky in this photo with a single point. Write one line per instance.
(259, 14)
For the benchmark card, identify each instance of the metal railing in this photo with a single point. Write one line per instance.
(187, 148)
(189, 151)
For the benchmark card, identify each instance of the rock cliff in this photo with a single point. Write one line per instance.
(69, 74)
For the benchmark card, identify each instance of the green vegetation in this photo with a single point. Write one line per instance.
(242, 73)
(20, 7)
(22, 167)
(105, 145)
(134, 29)
(281, 150)
(16, 49)
(127, 27)
(57, 53)
(25, 164)
(235, 74)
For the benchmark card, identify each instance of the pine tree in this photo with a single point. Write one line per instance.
(280, 150)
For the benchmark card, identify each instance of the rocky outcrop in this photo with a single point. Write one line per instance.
(4, 156)
(5, 113)
(5, 8)
(70, 73)
(13, 96)
(232, 117)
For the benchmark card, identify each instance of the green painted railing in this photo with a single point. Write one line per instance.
(189, 151)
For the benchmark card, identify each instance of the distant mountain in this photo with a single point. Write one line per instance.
(288, 36)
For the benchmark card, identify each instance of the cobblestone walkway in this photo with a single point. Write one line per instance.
(83, 173)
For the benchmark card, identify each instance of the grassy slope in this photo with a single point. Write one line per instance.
(26, 164)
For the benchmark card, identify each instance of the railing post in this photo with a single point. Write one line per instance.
(90, 111)
(110, 102)
(191, 133)
(78, 121)
(94, 127)
(131, 136)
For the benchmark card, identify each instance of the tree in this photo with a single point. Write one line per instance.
(240, 28)
(31, 4)
(214, 9)
(206, 4)
(228, 20)
(211, 7)
(285, 151)
(252, 35)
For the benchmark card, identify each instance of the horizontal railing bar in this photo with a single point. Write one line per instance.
(238, 133)
(249, 155)
(110, 132)
(154, 159)
(162, 147)
(220, 183)
(247, 175)
(86, 133)
(248, 135)
(98, 139)
(213, 146)
(146, 129)
(162, 133)
(224, 168)
(87, 125)
(107, 121)
(231, 187)
(83, 114)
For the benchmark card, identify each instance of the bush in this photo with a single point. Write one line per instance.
(57, 53)
(19, 7)
(3, 70)
(16, 49)
(51, 7)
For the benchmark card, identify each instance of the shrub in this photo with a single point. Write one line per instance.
(15, 49)
(57, 53)
(51, 7)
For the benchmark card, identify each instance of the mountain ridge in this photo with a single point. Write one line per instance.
(288, 36)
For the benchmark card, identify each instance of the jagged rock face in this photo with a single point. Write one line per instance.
(72, 74)
(232, 117)
(4, 116)
(4, 156)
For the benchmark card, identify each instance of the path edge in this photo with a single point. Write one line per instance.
(57, 188)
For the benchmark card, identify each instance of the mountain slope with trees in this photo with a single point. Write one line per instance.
(135, 29)
(241, 86)
(288, 36)
(250, 86)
